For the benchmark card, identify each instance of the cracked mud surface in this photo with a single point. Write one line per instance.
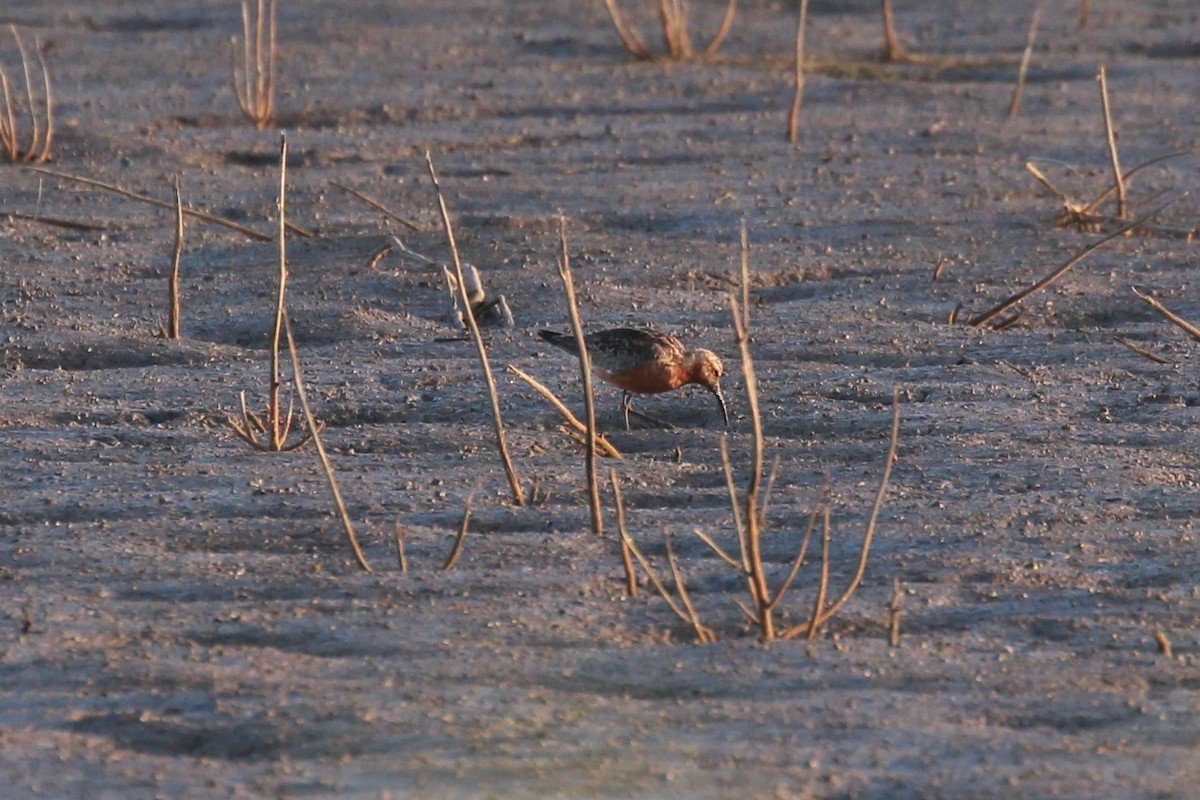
(184, 619)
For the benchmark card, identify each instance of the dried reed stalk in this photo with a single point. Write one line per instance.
(893, 50)
(314, 431)
(1014, 107)
(894, 614)
(793, 127)
(173, 282)
(514, 482)
(999, 309)
(41, 138)
(824, 615)
(456, 549)
(823, 579)
(673, 17)
(703, 633)
(401, 556)
(277, 425)
(1187, 327)
(602, 444)
(1085, 11)
(1141, 351)
(378, 206)
(623, 536)
(1111, 138)
(254, 82)
(585, 373)
(197, 213)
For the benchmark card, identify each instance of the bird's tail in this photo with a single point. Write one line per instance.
(563, 341)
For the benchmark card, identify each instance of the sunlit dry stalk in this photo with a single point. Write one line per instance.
(802, 550)
(602, 444)
(1141, 351)
(823, 580)
(278, 424)
(41, 137)
(378, 206)
(514, 482)
(188, 210)
(793, 126)
(254, 68)
(456, 549)
(623, 536)
(314, 431)
(893, 50)
(704, 635)
(1111, 138)
(1000, 308)
(176, 255)
(401, 556)
(1187, 327)
(1014, 107)
(894, 614)
(585, 372)
(673, 18)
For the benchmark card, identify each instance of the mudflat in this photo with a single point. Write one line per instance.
(183, 617)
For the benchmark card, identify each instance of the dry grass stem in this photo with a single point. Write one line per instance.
(999, 309)
(623, 536)
(673, 17)
(1164, 644)
(173, 282)
(378, 206)
(314, 431)
(629, 36)
(510, 473)
(735, 507)
(662, 590)
(1014, 107)
(585, 373)
(188, 210)
(1187, 327)
(401, 556)
(456, 549)
(278, 424)
(894, 614)
(56, 222)
(41, 135)
(703, 633)
(717, 549)
(892, 49)
(801, 551)
(1085, 10)
(793, 126)
(602, 444)
(814, 621)
(254, 66)
(1141, 351)
(1111, 138)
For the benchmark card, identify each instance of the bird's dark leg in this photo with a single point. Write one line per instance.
(627, 408)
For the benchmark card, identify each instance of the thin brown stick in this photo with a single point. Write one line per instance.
(278, 425)
(1141, 351)
(814, 621)
(723, 28)
(585, 372)
(1091, 207)
(173, 331)
(894, 614)
(703, 633)
(254, 85)
(456, 549)
(629, 36)
(1111, 138)
(40, 139)
(1014, 107)
(869, 534)
(514, 482)
(378, 206)
(999, 309)
(603, 444)
(793, 126)
(187, 209)
(1085, 10)
(623, 536)
(314, 430)
(757, 578)
(655, 581)
(893, 50)
(1187, 327)
(401, 556)
(56, 222)
(1164, 644)
(735, 505)
(801, 552)
(717, 549)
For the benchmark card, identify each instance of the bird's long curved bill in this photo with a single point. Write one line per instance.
(721, 399)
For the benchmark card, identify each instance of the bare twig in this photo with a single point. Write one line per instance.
(173, 286)
(187, 209)
(893, 50)
(999, 309)
(623, 536)
(655, 581)
(401, 557)
(1111, 138)
(1187, 327)
(314, 430)
(1085, 10)
(703, 633)
(585, 372)
(1014, 107)
(1141, 351)
(723, 28)
(629, 36)
(254, 82)
(894, 614)
(1164, 644)
(603, 444)
(793, 126)
(378, 206)
(456, 550)
(57, 222)
(40, 138)
(514, 482)
(814, 621)
(802, 550)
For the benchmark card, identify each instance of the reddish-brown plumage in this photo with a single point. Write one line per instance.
(642, 361)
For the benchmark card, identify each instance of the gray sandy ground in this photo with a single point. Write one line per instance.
(182, 618)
